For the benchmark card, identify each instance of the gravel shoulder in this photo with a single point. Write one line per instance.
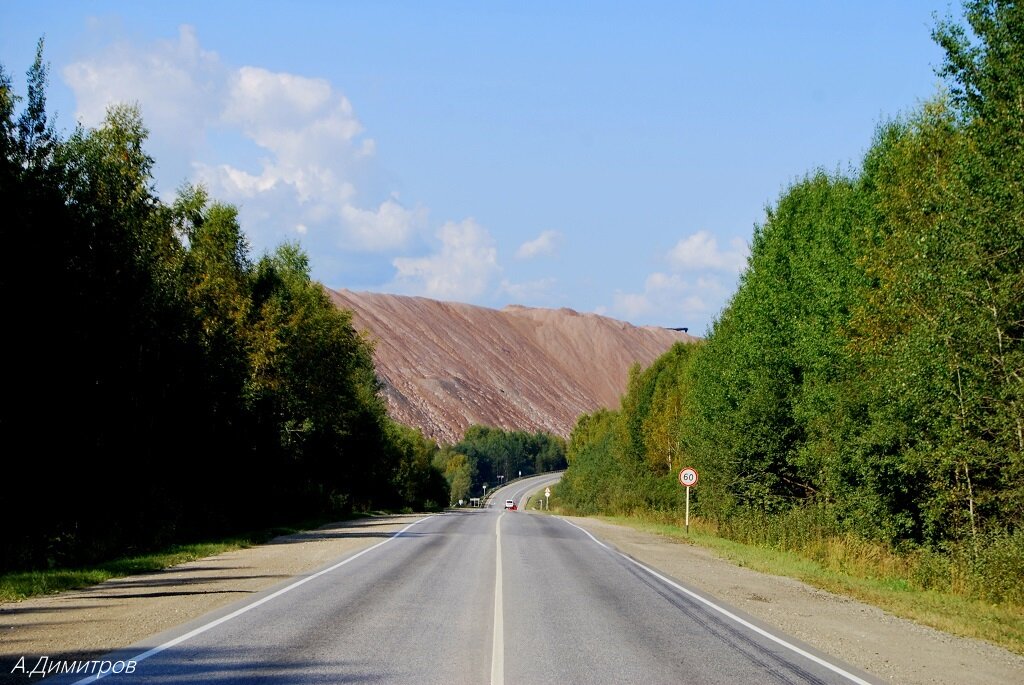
(87, 623)
(91, 622)
(884, 645)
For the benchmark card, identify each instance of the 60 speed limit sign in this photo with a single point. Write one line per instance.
(688, 477)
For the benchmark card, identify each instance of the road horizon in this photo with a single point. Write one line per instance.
(480, 595)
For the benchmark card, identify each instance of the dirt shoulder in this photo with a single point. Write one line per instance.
(888, 647)
(87, 623)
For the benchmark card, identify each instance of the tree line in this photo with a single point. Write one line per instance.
(867, 377)
(488, 456)
(163, 384)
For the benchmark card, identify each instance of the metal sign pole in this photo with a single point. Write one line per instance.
(688, 478)
(687, 511)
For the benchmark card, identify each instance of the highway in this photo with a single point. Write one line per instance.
(479, 596)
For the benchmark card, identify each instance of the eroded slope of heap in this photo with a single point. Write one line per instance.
(447, 365)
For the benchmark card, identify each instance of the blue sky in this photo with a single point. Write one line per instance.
(608, 157)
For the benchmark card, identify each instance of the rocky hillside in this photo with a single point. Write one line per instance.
(446, 365)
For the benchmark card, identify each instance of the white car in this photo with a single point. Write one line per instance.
(510, 504)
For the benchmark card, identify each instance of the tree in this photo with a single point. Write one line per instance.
(240, 383)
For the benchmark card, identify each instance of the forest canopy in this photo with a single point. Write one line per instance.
(487, 457)
(171, 385)
(867, 377)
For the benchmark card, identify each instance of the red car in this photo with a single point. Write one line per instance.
(510, 504)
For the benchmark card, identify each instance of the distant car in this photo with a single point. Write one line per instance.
(510, 504)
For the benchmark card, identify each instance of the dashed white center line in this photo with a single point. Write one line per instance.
(498, 643)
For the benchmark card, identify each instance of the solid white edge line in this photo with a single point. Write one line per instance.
(234, 614)
(519, 493)
(539, 477)
(725, 612)
(498, 640)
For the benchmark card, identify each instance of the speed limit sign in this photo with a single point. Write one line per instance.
(688, 477)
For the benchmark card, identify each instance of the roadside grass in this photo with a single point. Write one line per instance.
(850, 568)
(19, 585)
(535, 501)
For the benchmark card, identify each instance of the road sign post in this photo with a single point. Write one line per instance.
(547, 498)
(688, 477)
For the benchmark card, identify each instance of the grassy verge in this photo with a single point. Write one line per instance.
(21, 585)
(1000, 623)
(535, 500)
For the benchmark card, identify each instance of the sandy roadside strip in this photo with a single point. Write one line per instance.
(87, 623)
(888, 647)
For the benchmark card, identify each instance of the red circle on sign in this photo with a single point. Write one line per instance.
(688, 477)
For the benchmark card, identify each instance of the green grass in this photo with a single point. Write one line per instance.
(16, 586)
(857, 570)
(535, 499)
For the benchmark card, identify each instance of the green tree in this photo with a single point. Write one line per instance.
(458, 471)
(494, 452)
(240, 383)
(420, 483)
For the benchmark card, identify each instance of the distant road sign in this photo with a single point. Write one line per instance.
(688, 476)
(547, 492)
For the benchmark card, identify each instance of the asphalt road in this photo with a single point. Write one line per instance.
(479, 596)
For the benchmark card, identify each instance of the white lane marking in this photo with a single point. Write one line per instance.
(535, 482)
(728, 614)
(235, 614)
(519, 493)
(498, 641)
(587, 533)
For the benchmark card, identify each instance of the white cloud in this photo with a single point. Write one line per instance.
(315, 146)
(700, 251)
(544, 244)
(462, 269)
(175, 82)
(659, 282)
(668, 298)
(673, 300)
(389, 226)
(633, 305)
(530, 291)
(302, 121)
(304, 145)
